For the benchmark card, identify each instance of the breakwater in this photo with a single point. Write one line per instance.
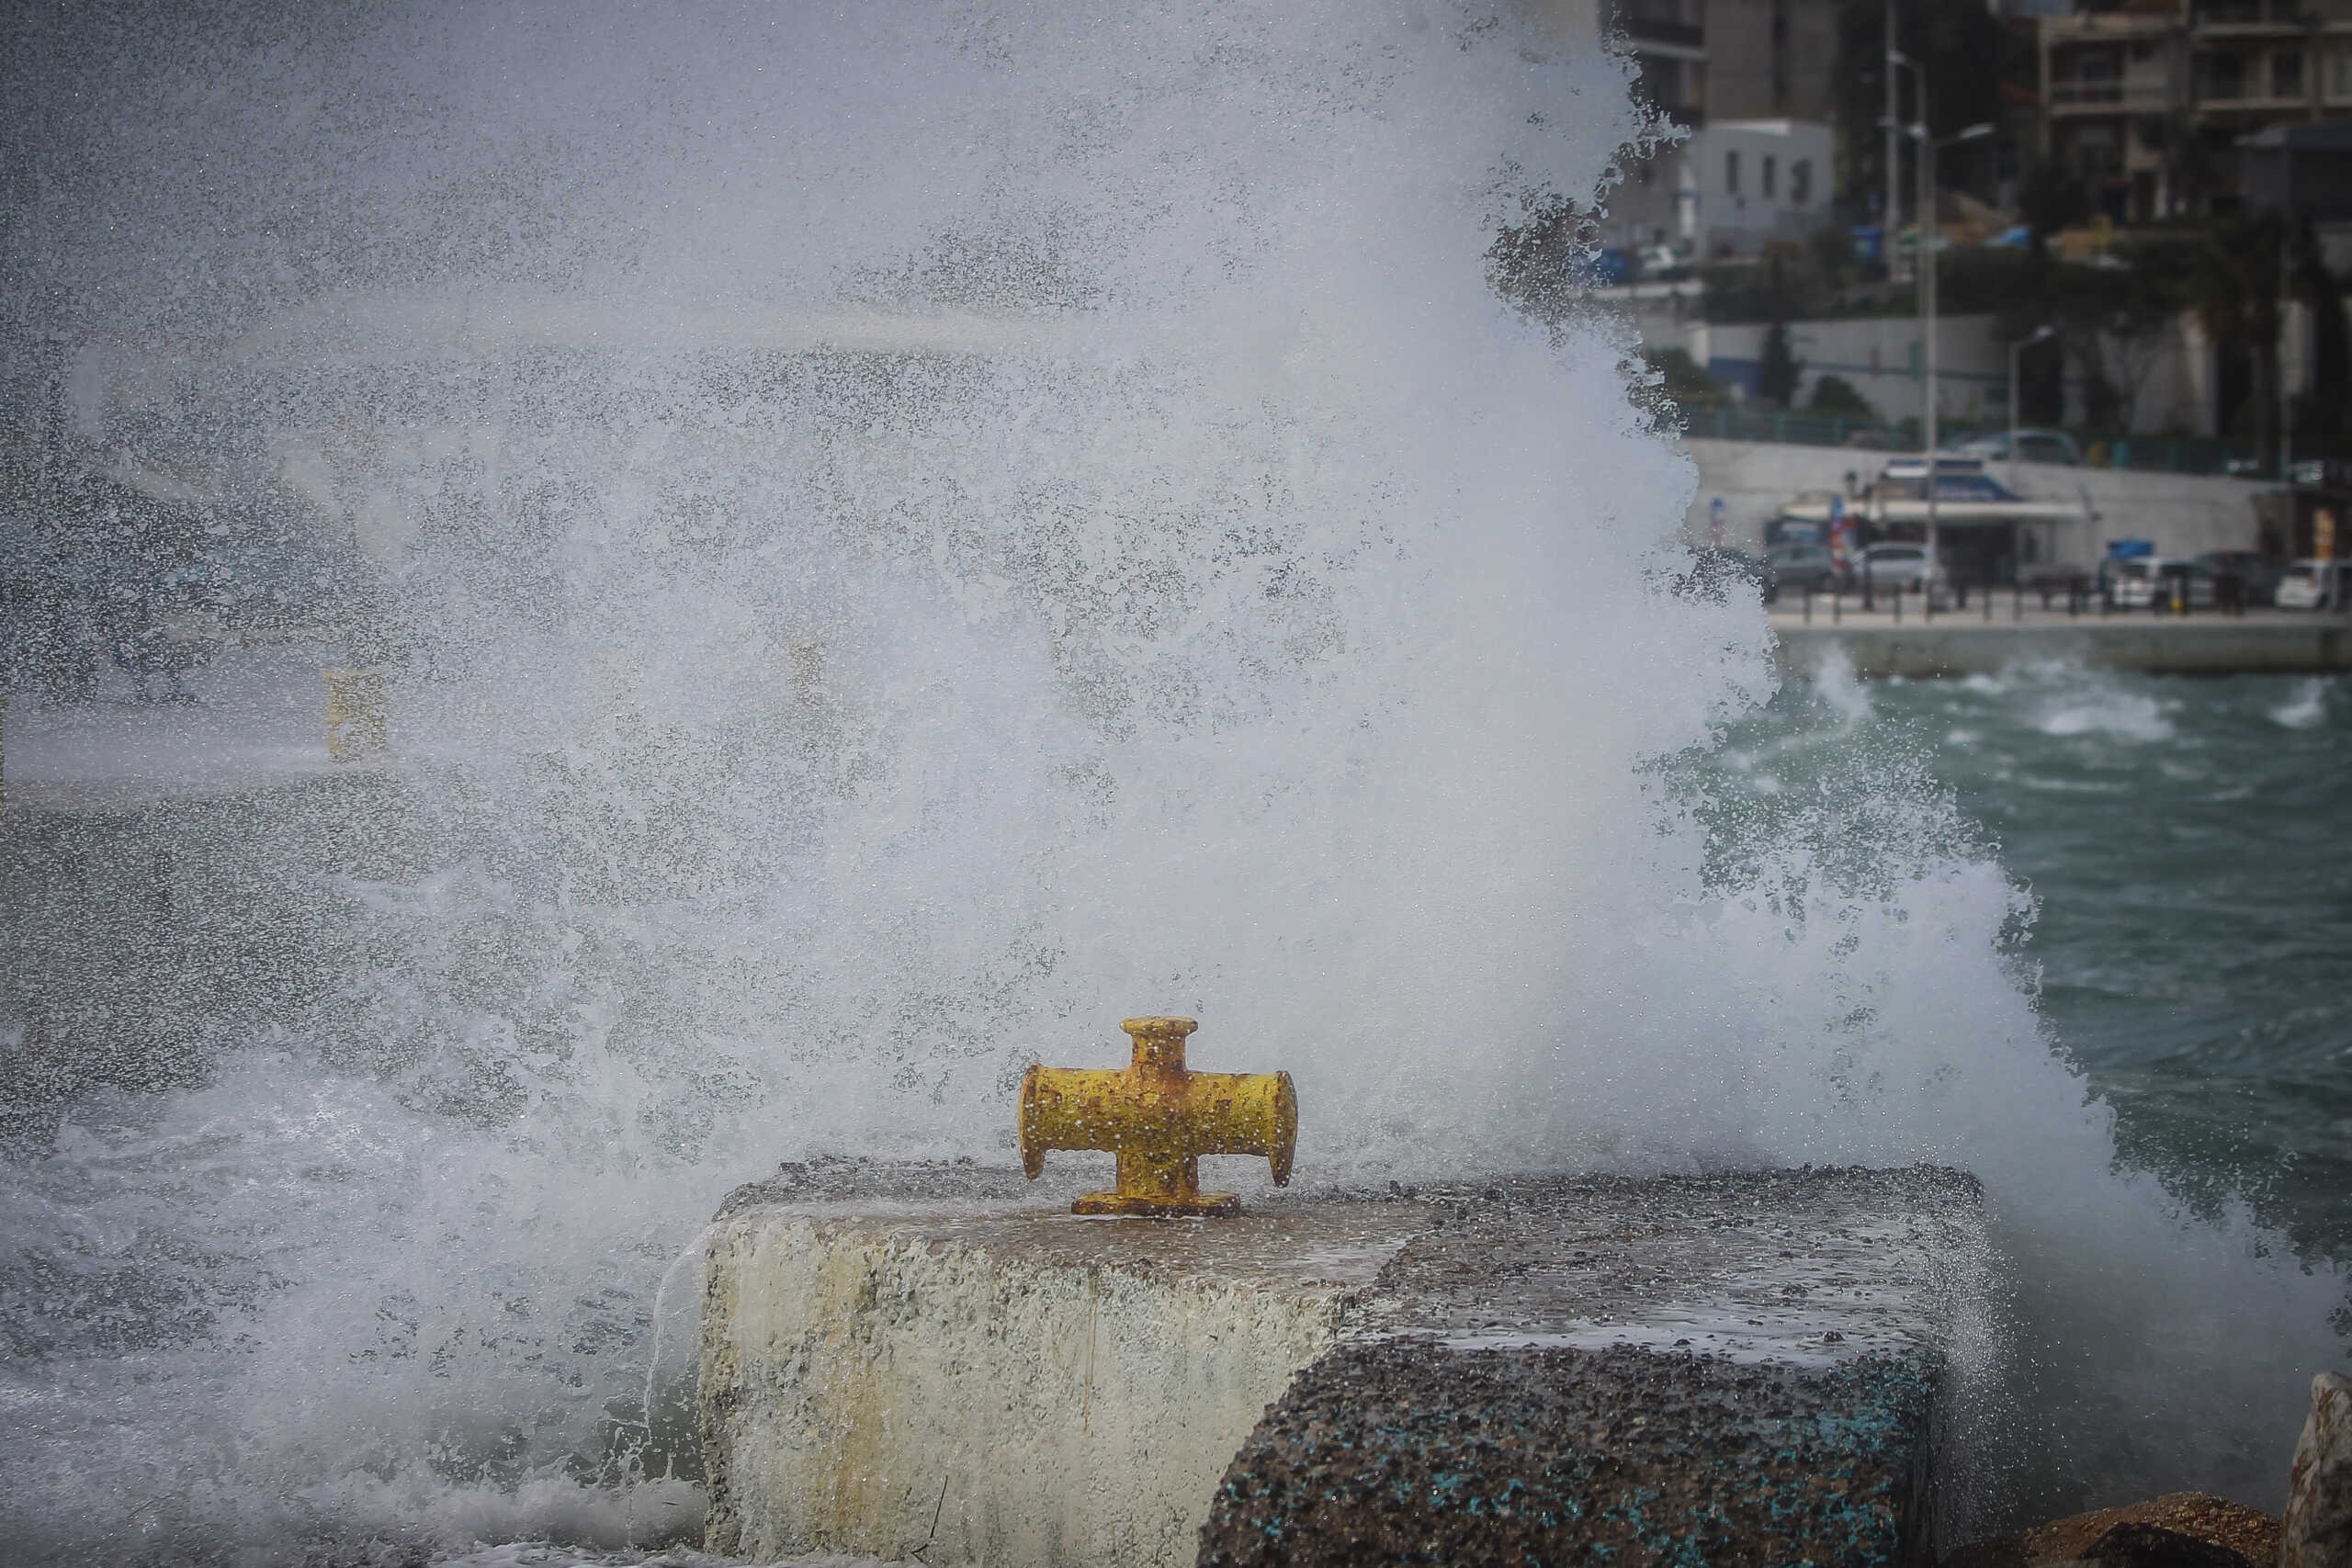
(1884, 642)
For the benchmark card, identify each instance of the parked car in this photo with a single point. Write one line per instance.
(1662, 264)
(2256, 574)
(2033, 446)
(2316, 585)
(2139, 582)
(1800, 563)
(1893, 564)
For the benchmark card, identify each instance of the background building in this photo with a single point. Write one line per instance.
(2146, 102)
(1732, 186)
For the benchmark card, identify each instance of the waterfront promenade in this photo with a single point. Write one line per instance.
(2018, 630)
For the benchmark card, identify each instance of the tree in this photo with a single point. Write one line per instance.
(1964, 49)
(1778, 374)
(1836, 395)
(2233, 287)
(2322, 410)
(2111, 321)
(2052, 197)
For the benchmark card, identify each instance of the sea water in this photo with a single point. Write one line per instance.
(898, 538)
(2183, 844)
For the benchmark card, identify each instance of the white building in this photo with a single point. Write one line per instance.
(1728, 188)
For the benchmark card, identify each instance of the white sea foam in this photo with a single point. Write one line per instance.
(2122, 717)
(2307, 709)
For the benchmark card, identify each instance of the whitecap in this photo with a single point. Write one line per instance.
(2307, 709)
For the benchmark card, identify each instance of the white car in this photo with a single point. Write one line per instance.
(1894, 565)
(2138, 580)
(2316, 585)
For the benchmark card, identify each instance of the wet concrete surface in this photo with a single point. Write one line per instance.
(1408, 1452)
(1276, 1241)
(1808, 1266)
(1750, 1367)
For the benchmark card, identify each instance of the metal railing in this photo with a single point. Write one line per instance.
(2246, 14)
(2111, 92)
(2077, 596)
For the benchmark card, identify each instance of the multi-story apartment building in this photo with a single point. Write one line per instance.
(1669, 41)
(1703, 60)
(1771, 59)
(2147, 100)
(1751, 81)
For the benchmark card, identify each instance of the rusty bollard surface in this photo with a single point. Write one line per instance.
(1159, 1117)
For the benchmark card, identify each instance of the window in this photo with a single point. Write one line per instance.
(2286, 73)
(2222, 78)
(1731, 172)
(1771, 177)
(2339, 74)
(1801, 181)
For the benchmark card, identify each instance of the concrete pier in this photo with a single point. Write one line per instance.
(937, 1363)
(1961, 642)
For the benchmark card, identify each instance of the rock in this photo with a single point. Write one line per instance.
(2317, 1531)
(2153, 1546)
(2244, 1533)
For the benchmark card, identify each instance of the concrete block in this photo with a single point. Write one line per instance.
(1748, 1369)
(944, 1360)
(936, 1362)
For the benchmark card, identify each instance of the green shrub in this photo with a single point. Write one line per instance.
(1836, 395)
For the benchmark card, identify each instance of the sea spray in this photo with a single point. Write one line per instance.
(900, 538)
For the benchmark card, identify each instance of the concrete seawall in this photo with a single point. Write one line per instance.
(1958, 645)
(939, 1363)
(943, 1364)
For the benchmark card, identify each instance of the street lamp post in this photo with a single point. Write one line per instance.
(1928, 146)
(2042, 333)
(1887, 219)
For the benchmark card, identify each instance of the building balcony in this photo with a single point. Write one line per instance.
(2266, 17)
(2106, 28)
(2253, 103)
(1647, 32)
(2108, 95)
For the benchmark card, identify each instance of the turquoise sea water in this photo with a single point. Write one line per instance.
(2188, 846)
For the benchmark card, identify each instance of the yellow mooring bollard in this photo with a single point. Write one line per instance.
(355, 728)
(1159, 1117)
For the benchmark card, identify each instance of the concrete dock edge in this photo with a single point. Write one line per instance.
(938, 1363)
(1951, 644)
